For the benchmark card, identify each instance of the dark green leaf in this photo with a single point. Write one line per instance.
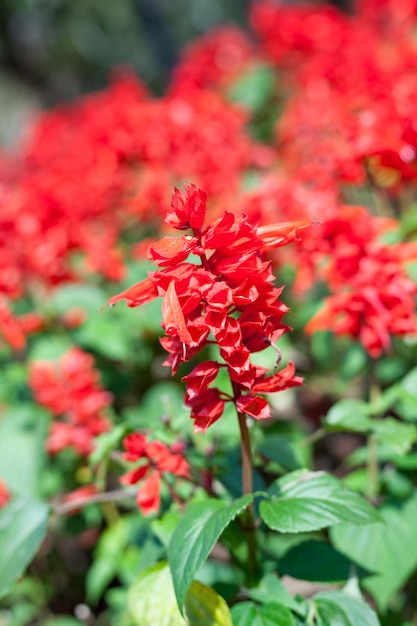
(316, 561)
(195, 537)
(23, 525)
(306, 501)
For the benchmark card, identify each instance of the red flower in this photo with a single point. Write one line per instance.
(229, 297)
(72, 392)
(155, 459)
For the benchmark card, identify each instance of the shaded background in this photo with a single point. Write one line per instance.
(53, 50)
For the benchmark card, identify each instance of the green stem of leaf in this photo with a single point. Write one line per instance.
(373, 468)
(248, 517)
(371, 394)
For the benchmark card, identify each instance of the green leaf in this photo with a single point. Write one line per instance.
(389, 549)
(195, 537)
(384, 401)
(316, 561)
(22, 448)
(151, 602)
(105, 443)
(23, 525)
(151, 599)
(308, 501)
(271, 614)
(272, 587)
(340, 609)
(165, 526)
(397, 435)
(407, 396)
(348, 415)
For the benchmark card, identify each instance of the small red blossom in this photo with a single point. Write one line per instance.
(229, 298)
(155, 459)
(5, 496)
(189, 208)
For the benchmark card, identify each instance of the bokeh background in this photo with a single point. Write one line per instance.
(53, 50)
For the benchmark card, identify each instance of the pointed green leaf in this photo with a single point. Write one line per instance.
(195, 537)
(313, 500)
(340, 609)
(23, 525)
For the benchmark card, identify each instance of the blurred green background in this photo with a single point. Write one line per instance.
(53, 50)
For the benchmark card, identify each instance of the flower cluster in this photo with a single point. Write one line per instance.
(353, 88)
(155, 459)
(72, 392)
(228, 299)
(373, 297)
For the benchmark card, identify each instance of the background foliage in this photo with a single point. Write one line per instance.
(303, 113)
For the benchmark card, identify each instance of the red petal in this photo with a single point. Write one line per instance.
(135, 445)
(276, 235)
(141, 293)
(255, 406)
(206, 409)
(278, 382)
(149, 494)
(201, 377)
(135, 475)
(174, 321)
(170, 250)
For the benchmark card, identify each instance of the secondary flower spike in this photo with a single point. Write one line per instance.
(228, 298)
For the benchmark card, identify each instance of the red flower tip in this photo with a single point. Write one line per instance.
(141, 293)
(189, 208)
(277, 235)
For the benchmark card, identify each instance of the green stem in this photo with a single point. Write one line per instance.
(98, 498)
(371, 393)
(373, 468)
(248, 517)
